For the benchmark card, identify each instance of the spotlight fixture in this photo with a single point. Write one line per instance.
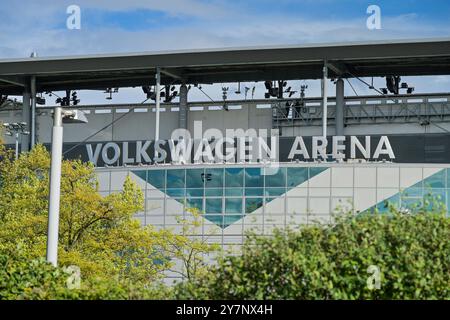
(272, 91)
(246, 89)
(16, 129)
(393, 83)
(169, 94)
(149, 92)
(224, 97)
(110, 91)
(238, 90)
(300, 104)
(40, 100)
(69, 99)
(75, 99)
(290, 91)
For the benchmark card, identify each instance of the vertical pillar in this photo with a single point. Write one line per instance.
(324, 100)
(340, 105)
(182, 123)
(157, 108)
(158, 103)
(25, 141)
(55, 188)
(33, 112)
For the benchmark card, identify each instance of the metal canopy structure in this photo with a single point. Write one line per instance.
(360, 59)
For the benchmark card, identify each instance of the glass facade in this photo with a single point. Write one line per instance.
(233, 198)
(225, 195)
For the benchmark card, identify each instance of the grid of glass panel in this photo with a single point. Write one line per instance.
(226, 195)
(235, 199)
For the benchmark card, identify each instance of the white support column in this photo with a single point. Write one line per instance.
(324, 99)
(33, 112)
(158, 98)
(55, 188)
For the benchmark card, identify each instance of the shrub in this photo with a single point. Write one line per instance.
(24, 279)
(410, 250)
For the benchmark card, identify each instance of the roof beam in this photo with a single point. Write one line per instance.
(173, 74)
(15, 80)
(338, 68)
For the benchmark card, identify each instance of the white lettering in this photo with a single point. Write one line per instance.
(384, 141)
(319, 149)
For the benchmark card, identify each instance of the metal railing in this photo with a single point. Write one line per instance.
(365, 110)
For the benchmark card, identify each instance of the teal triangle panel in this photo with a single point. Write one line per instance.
(435, 187)
(294, 176)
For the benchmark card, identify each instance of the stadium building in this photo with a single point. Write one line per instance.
(252, 163)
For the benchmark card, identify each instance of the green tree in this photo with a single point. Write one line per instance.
(96, 233)
(25, 279)
(409, 253)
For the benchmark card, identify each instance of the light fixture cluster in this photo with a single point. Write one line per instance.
(15, 128)
(110, 91)
(71, 99)
(394, 85)
(169, 93)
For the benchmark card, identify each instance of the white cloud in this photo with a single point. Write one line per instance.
(29, 26)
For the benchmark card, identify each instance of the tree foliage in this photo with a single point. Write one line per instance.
(25, 279)
(96, 233)
(411, 251)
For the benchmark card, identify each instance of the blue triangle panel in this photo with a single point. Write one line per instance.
(292, 176)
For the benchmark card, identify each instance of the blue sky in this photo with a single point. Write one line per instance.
(139, 25)
(150, 25)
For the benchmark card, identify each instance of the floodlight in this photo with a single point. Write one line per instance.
(40, 100)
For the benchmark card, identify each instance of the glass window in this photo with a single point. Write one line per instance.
(383, 206)
(156, 178)
(214, 192)
(195, 203)
(230, 219)
(277, 179)
(251, 204)
(314, 171)
(253, 177)
(275, 191)
(254, 192)
(140, 173)
(175, 178)
(233, 205)
(268, 199)
(436, 195)
(448, 178)
(437, 180)
(216, 219)
(194, 192)
(213, 178)
(178, 192)
(411, 203)
(234, 177)
(448, 201)
(194, 178)
(413, 192)
(296, 176)
(234, 192)
(213, 205)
